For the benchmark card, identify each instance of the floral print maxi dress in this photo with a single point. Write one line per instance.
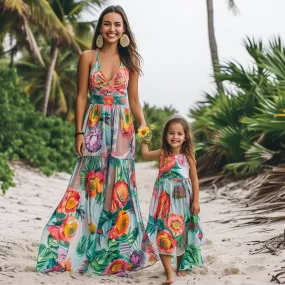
(97, 227)
(172, 228)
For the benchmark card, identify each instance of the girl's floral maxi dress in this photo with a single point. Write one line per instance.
(172, 228)
(97, 227)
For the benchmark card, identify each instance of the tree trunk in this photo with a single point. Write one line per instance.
(213, 44)
(49, 78)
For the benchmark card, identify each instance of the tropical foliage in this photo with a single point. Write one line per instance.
(243, 130)
(44, 142)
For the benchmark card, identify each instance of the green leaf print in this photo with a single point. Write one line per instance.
(123, 238)
(105, 216)
(53, 246)
(128, 206)
(113, 244)
(194, 219)
(44, 257)
(114, 217)
(192, 256)
(179, 240)
(133, 236)
(81, 247)
(100, 198)
(57, 218)
(83, 174)
(160, 224)
(102, 259)
(80, 213)
(63, 244)
(151, 227)
(91, 250)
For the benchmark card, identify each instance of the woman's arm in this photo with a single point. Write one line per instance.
(81, 98)
(149, 155)
(195, 187)
(134, 101)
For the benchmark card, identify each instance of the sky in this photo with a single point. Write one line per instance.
(172, 38)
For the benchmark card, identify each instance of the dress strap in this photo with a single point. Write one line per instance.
(97, 58)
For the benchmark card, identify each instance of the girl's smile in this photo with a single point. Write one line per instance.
(175, 136)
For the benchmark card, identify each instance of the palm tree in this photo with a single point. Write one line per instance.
(68, 12)
(63, 87)
(212, 39)
(17, 19)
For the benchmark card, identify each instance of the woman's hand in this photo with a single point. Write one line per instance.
(79, 144)
(195, 208)
(142, 125)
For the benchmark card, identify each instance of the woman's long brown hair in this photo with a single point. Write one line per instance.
(128, 55)
(187, 147)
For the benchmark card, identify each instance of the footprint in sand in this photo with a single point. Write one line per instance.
(255, 268)
(29, 269)
(210, 259)
(232, 271)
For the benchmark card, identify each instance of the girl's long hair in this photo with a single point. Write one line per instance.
(128, 55)
(187, 147)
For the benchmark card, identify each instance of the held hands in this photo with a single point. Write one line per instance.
(195, 208)
(79, 144)
(144, 134)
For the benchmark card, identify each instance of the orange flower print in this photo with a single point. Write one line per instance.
(108, 100)
(69, 202)
(166, 163)
(118, 265)
(120, 195)
(153, 258)
(163, 205)
(66, 231)
(66, 264)
(165, 242)
(121, 226)
(175, 223)
(94, 116)
(127, 123)
(94, 182)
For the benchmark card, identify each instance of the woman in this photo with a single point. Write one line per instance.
(97, 227)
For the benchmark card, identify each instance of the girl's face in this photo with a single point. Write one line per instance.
(175, 136)
(112, 27)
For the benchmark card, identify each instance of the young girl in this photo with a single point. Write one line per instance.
(173, 224)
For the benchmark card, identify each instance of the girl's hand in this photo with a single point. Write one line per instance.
(79, 145)
(195, 208)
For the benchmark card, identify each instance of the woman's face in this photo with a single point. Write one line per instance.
(112, 27)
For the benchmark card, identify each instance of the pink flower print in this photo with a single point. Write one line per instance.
(182, 160)
(93, 140)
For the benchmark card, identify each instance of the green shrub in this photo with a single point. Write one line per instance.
(44, 142)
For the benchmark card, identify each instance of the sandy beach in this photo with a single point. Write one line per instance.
(25, 209)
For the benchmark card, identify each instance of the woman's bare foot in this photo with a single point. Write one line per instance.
(180, 273)
(170, 278)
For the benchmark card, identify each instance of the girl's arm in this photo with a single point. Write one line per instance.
(134, 99)
(195, 207)
(149, 155)
(81, 98)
